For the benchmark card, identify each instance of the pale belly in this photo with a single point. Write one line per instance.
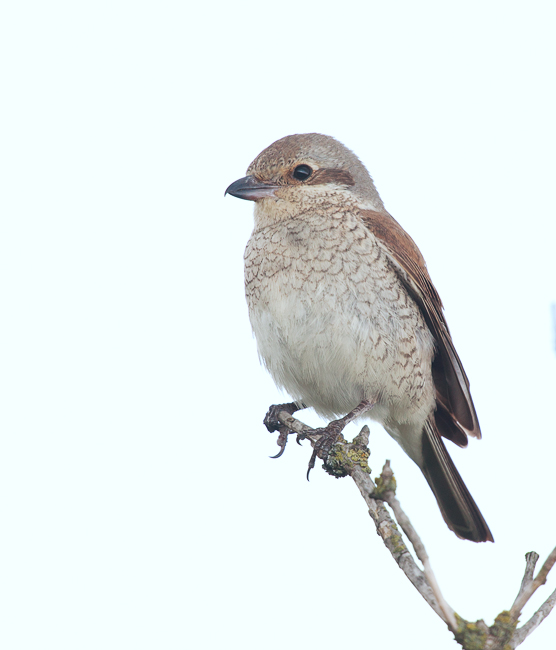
(335, 327)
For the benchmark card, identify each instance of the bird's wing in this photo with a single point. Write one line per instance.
(455, 415)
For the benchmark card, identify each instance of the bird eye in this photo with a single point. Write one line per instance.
(302, 172)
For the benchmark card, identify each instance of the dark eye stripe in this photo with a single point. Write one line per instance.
(336, 176)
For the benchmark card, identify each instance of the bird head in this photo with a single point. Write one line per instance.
(306, 168)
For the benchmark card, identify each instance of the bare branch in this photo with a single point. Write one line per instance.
(389, 496)
(385, 527)
(351, 459)
(533, 623)
(531, 560)
(393, 541)
(532, 586)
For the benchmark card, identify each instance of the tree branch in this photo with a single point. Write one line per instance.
(528, 586)
(533, 623)
(527, 589)
(347, 458)
(354, 463)
(403, 520)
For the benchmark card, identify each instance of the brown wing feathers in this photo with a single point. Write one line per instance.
(455, 416)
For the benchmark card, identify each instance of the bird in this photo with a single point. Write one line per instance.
(345, 314)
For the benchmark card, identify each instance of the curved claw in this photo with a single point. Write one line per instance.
(312, 461)
(282, 442)
(280, 452)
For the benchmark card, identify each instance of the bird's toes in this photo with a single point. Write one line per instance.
(271, 421)
(328, 437)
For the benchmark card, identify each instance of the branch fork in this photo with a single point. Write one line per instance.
(350, 459)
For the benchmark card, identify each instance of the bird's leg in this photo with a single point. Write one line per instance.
(272, 423)
(331, 432)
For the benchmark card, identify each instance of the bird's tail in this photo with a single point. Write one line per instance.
(456, 504)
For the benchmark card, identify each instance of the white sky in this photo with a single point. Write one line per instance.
(139, 507)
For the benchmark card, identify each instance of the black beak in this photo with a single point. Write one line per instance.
(251, 189)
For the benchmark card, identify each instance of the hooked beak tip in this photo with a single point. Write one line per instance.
(250, 189)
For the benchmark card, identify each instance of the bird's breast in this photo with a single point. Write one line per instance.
(333, 323)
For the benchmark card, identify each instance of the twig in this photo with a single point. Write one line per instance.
(385, 527)
(418, 545)
(527, 589)
(526, 592)
(351, 459)
(531, 560)
(538, 617)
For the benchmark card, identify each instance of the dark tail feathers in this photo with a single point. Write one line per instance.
(456, 504)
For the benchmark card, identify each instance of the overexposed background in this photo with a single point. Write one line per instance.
(139, 508)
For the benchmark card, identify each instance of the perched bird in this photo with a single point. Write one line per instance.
(345, 313)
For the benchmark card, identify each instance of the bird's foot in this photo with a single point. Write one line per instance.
(271, 421)
(331, 432)
(328, 437)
